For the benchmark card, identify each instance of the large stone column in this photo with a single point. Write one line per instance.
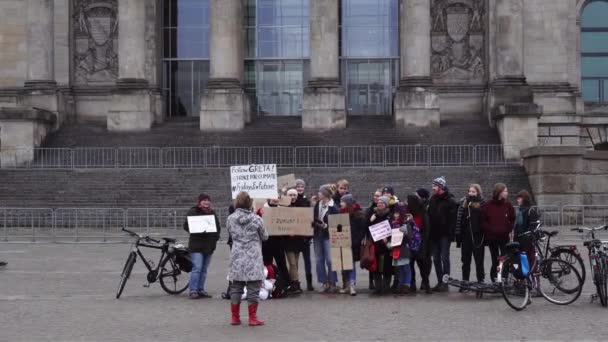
(131, 108)
(416, 103)
(224, 105)
(40, 38)
(511, 101)
(323, 105)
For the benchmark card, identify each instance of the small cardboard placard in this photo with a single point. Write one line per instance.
(284, 201)
(287, 181)
(380, 230)
(341, 259)
(339, 231)
(288, 221)
(258, 180)
(202, 224)
(396, 237)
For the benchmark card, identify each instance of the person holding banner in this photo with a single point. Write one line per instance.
(304, 202)
(273, 249)
(202, 243)
(246, 262)
(384, 272)
(324, 207)
(293, 246)
(400, 249)
(349, 206)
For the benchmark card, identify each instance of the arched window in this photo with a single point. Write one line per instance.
(594, 48)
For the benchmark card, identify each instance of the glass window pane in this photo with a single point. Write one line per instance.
(595, 15)
(594, 41)
(591, 90)
(187, 43)
(595, 66)
(283, 28)
(192, 13)
(370, 28)
(605, 93)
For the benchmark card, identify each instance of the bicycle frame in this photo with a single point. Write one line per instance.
(163, 249)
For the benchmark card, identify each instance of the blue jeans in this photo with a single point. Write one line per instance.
(350, 276)
(441, 257)
(200, 265)
(323, 258)
(405, 275)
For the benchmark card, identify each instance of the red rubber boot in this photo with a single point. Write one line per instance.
(253, 319)
(236, 311)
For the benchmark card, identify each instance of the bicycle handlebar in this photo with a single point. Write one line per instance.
(134, 234)
(580, 229)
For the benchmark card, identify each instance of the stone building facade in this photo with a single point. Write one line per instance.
(535, 69)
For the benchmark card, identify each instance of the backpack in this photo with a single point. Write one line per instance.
(183, 260)
(416, 242)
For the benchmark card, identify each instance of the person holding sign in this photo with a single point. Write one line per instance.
(384, 259)
(324, 207)
(349, 206)
(204, 228)
(293, 246)
(246, 262)
(400, 244)
(304, 202)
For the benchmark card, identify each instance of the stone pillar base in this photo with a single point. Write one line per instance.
(224, 106)
(131, 109)
(416, 106)
(22, 130)
(517, 125)
(323, 106)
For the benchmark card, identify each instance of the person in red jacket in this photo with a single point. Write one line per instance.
(498, 219)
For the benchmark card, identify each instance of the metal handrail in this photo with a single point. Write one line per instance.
(282, 156)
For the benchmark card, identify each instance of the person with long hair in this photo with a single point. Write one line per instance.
(469, 233)
(497, 220)
(327, 277)
(246, 262)
(349, 206)
(421, 257)
(525, 218)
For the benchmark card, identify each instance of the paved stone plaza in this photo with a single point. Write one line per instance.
(63, 292)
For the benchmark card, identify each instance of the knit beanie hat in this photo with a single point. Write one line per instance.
(348, 199)
(326, 191)
(385, 199)
(388, 190)
(423, 193)
(440, 182)
(300, 182)
(203, 197)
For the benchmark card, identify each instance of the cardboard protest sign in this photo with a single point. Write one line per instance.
(396, 237)
(259, 180)
(340, 242)
(284, 201)
(341, 259)
(287, 181)
(288, 221)
(202, 224)
(380, 230)
(339, 231)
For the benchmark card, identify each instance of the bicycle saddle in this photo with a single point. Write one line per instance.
(169, 240)
(552, 233)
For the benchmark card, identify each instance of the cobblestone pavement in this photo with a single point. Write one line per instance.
(66, 292)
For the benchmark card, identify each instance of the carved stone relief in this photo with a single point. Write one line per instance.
(95, 25)
(458, 39)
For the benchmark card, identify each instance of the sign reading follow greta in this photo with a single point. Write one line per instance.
(258, 180)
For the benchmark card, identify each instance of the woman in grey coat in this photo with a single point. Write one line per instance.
(246, 263)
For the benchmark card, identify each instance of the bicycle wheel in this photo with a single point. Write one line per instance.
(126, 272)
(515, 291)
(573, 259)
(172, 279)
(560, 283)
(601, 281)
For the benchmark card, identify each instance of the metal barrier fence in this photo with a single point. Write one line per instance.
(104, 224)
(282, 156)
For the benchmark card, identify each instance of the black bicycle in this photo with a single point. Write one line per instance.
(598, 258)
(568, 253)
(172, 268)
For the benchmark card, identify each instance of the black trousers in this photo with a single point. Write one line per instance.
(472, 248)
(273, 250)
(497, 248)
(424, 265)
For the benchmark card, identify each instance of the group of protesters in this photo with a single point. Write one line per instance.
(430, 223)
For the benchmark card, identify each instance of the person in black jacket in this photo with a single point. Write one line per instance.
(525, 218)
(324, 207)
(417, 208)
(384, 259)
(469, 233)
(304, 202)
(368, 213)
(442, 213)
(201, 246)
